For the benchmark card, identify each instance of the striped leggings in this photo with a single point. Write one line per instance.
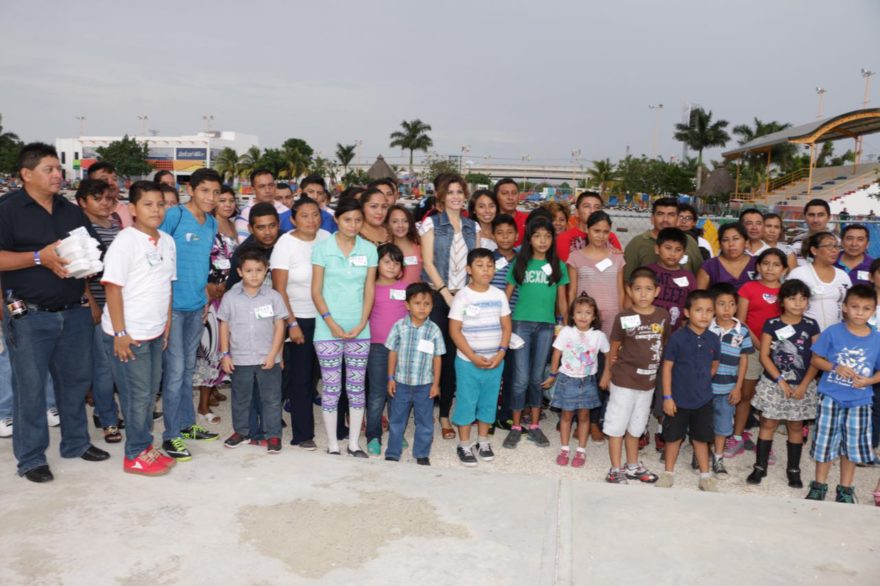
(330, 355)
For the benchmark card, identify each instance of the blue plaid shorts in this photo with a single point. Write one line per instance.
(842, 431)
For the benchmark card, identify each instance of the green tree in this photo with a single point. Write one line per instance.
(435, 165)
(478, 179)
(601, 174)
(276, 161)
(413, 136)
(701, 133)
(249, 161)
(781, 155)
(297, 156)
(345, 155)
(127, 155)
(226, 164)
(355, 177)
(323, 167)
(10, 145)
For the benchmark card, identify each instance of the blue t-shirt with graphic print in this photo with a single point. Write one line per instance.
(861, 353)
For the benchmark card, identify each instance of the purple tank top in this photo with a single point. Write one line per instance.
(718, 274)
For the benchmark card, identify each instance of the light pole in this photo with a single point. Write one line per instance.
(143, 120)
(867, 74)
(821, 91)
(464, 150)
(82, 124)
(656, 108)
(208, 118)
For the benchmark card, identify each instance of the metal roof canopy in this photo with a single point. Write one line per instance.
(849, 125)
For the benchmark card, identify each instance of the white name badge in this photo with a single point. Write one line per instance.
(264, 312)
(398, 294)
(602, 265)
(410, 261)
(548, 270)
(646, 372)
(863, 276)
(500, 263)
(680, 281)
(358, 261)
(818, 290)
(154, 258)
(191, 237)
(426, 346)
(684, 260)
(222, 264)
(472, 310)
(629, 322)
(785, 333)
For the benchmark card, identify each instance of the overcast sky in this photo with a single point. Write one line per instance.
(507, 78)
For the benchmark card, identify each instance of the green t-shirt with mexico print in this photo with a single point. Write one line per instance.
(537, 298)
(344, 280)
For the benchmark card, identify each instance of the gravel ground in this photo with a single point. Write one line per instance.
(529, 459)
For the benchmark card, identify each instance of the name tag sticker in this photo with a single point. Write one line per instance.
(472, 310)
(191, 237)
(426, 346)
(264, 312)
(154, 258)
(398, 294)
(548, 270)
(818, 290)
(684, 260)
(358, 261)
(863, 276)
(785, 333)
(602, 265)
(680, 281)
(629, 322)
(222, 264)
(500, 263)
(409, 261)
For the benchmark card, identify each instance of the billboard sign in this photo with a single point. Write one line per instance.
(191, 154)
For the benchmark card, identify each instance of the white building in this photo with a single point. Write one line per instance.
(179, 154)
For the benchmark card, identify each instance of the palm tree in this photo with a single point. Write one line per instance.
(248, 162)
(345, 155)
(701, 133)
(602, 173)
(412, 137)
(780, 154)
(226, 164)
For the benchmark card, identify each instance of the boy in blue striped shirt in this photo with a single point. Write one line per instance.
(736, 345)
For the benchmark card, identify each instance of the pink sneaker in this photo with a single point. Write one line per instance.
(580, 458)
(733, 447)
(562, 458)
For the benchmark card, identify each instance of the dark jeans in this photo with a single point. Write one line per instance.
(137, 381)
(440, 316)
(40, 343)
(416, 398)
(102, 379)
(377, 391)
(244, 379)
(299, 364)
(505, 411)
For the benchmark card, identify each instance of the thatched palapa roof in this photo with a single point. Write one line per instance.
(381, 169)
(719, 182)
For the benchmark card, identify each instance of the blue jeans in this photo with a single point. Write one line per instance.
(40, 343)
(6, 387)
(102, 379)
(875, 419)
(137, 381)
(416, 398)
(180, 362)
(529, 362)
(377, 392)
(244, 380)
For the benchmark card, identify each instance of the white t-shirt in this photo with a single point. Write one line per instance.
(580, 351)
(480, 315)
(827, 298)
(295, 256)
(144, 269)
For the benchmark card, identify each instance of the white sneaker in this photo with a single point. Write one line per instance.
(53, 418)
(6, 427)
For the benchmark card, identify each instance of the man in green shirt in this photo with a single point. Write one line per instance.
(641, 250)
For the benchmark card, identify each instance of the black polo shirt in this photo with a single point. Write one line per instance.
(26, 226)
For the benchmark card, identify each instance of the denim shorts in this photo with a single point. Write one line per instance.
(572, 393)
(723, 412)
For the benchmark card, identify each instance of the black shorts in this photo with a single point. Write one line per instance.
(698, 423)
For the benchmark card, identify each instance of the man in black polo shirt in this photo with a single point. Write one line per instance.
(55, 334)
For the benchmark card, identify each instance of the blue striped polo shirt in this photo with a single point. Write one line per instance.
(734, 342)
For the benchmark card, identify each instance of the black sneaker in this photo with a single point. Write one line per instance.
(308, 445)
(273, 446)
(504, 424)
(537, 436)
(157, 415)
(718, 466)
(234, 440)
(423, 461)
(390, 459)
(512, 439)
(485, 452)
(197, 432)
(846, 494)
(817, 491)
(466, 456)
(176, 449)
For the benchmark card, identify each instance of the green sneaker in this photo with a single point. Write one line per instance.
(197, 432)
(374, 448)
(846, 494)
(177, 449)
(818, 491)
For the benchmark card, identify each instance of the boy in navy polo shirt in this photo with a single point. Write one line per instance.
(690, 360)
(848, 356)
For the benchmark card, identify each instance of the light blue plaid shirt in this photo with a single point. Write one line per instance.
(414, 367)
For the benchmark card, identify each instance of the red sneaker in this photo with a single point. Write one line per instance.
(145, 464)
(659, 443)
(644, 440)
(160, 457)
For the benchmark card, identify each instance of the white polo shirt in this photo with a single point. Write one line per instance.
(144, 269)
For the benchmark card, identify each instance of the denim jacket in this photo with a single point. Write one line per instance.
(443, 235)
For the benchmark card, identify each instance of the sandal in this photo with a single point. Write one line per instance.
(210, 418)
(448, 433)
(112, 435)
(218, 395)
